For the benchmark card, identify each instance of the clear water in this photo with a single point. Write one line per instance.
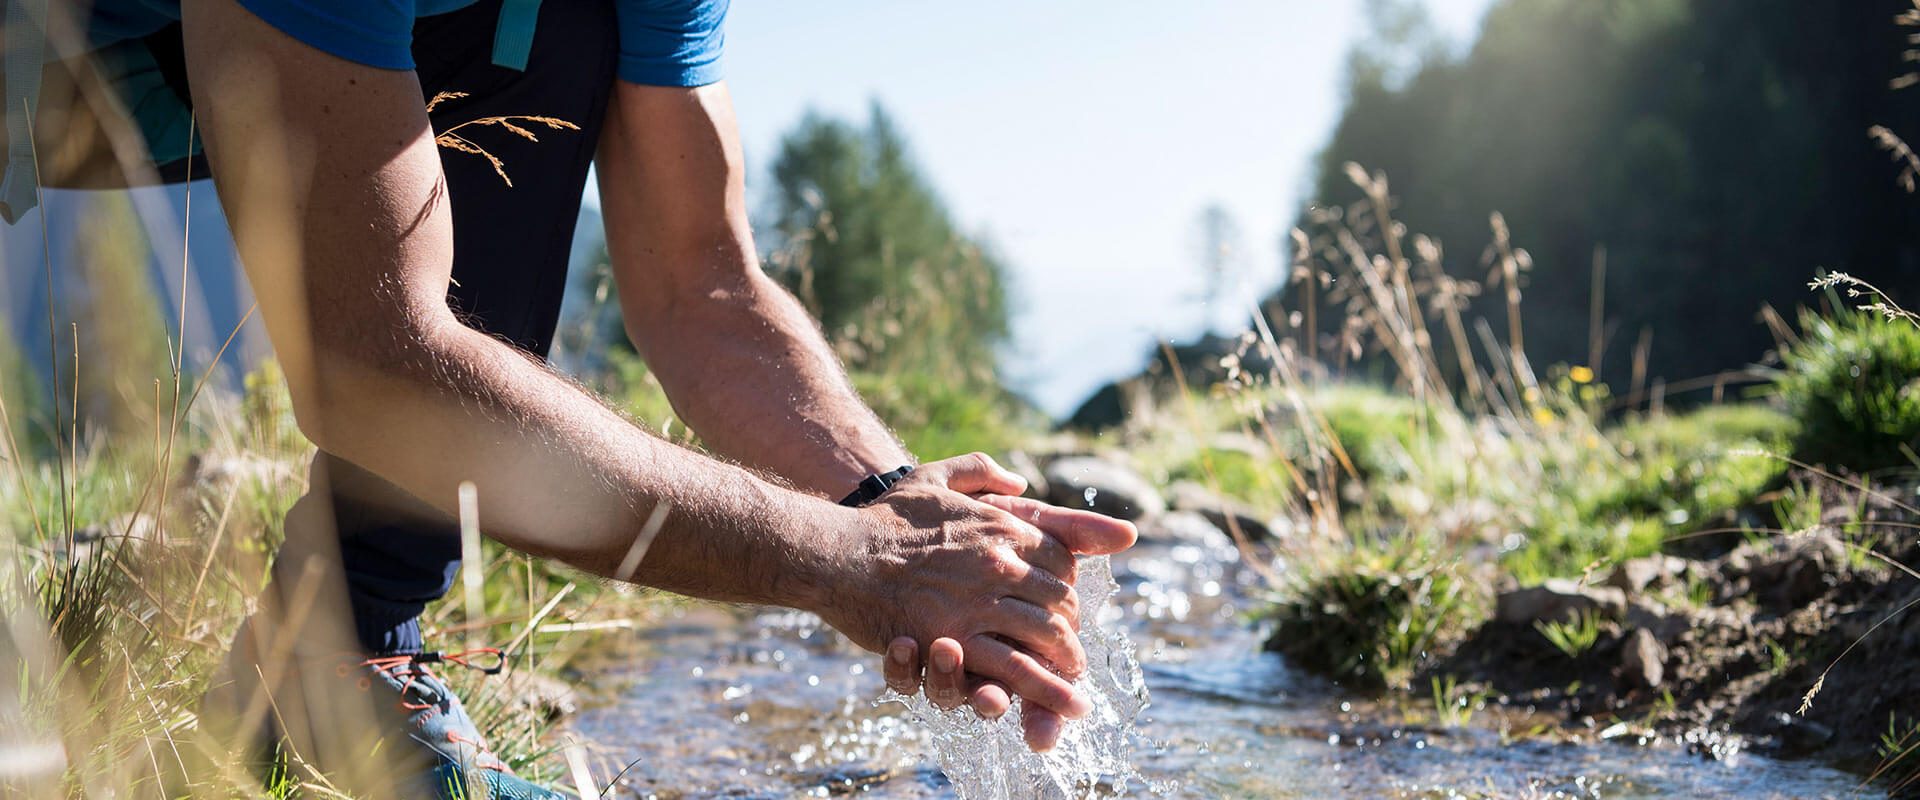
(750, 703)
(989, 760)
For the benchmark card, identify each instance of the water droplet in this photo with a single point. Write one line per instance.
(1090, 493)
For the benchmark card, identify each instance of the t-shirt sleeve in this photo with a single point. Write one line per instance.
(377, 33)
(671, 42)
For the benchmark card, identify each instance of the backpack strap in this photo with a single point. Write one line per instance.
(513, 38)
(26, 40)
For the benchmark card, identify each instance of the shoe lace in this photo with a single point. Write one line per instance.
(488, 660)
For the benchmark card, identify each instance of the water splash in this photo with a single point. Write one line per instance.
(989, 759)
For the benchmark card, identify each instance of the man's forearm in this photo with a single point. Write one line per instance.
(761, 386)
(742, 362)
(561, 475)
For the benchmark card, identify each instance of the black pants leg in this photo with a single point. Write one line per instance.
(510, 267)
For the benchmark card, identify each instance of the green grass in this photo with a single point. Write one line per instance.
(1853, 381)
(1453, 704)
(1575, 637)
(112, 651)
(1470, 455)
(1375, 618)
(936, 417)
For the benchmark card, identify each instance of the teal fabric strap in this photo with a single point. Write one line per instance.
(513, 37)
(26, 41)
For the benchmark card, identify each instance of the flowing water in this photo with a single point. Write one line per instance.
(748, 703)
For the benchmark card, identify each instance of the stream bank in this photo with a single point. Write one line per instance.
(740, 702)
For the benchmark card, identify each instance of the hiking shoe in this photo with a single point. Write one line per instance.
(459, 764)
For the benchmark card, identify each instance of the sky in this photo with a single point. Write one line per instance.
(1083, 138)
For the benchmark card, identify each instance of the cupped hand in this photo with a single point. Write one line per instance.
(936, 562)
(948, 685)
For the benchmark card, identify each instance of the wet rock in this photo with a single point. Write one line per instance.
(1558, 600)
(1650, 572)
(1795, 734)
(1026, 467)
(1224, 513)
(1185, 527)
(1104, 486)
(1643, 660)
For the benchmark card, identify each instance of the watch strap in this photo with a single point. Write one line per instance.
(872, 486)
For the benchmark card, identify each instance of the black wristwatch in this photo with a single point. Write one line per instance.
(872, 486)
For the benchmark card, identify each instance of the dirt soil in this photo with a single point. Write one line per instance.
(1777, 615)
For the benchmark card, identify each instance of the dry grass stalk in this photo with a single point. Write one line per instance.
(513, 123)
(1876, 301)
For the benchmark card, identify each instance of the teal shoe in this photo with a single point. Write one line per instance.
(462, 767)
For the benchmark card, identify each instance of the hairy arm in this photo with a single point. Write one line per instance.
(332, 184)
(333, 188)
(743, 363)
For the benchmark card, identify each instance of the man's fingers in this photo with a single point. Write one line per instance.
(990, 699)
(1049, 592)
(1048, 635)
(1046, 552)
(976, 473)
(1082, 532)
(946, 677)
(1042, 727)
(995, 659)
(903, 665)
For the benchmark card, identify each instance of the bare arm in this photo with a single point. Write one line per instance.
(743, 363)
(332, 183)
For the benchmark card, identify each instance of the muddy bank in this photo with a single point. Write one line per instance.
(1731, 641)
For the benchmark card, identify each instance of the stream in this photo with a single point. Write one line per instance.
(755, 703)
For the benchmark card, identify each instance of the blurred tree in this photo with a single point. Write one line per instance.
(1718, 150)
(1221, 259)
(863, 239)
(1399, 41)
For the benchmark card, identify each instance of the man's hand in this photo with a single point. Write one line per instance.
(948, 682)
(937, 562)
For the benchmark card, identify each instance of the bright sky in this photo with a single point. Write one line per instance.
(1082, 137)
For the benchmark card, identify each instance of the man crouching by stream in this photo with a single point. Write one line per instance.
(410, 293)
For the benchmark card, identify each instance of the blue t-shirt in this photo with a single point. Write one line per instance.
(662, 42)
